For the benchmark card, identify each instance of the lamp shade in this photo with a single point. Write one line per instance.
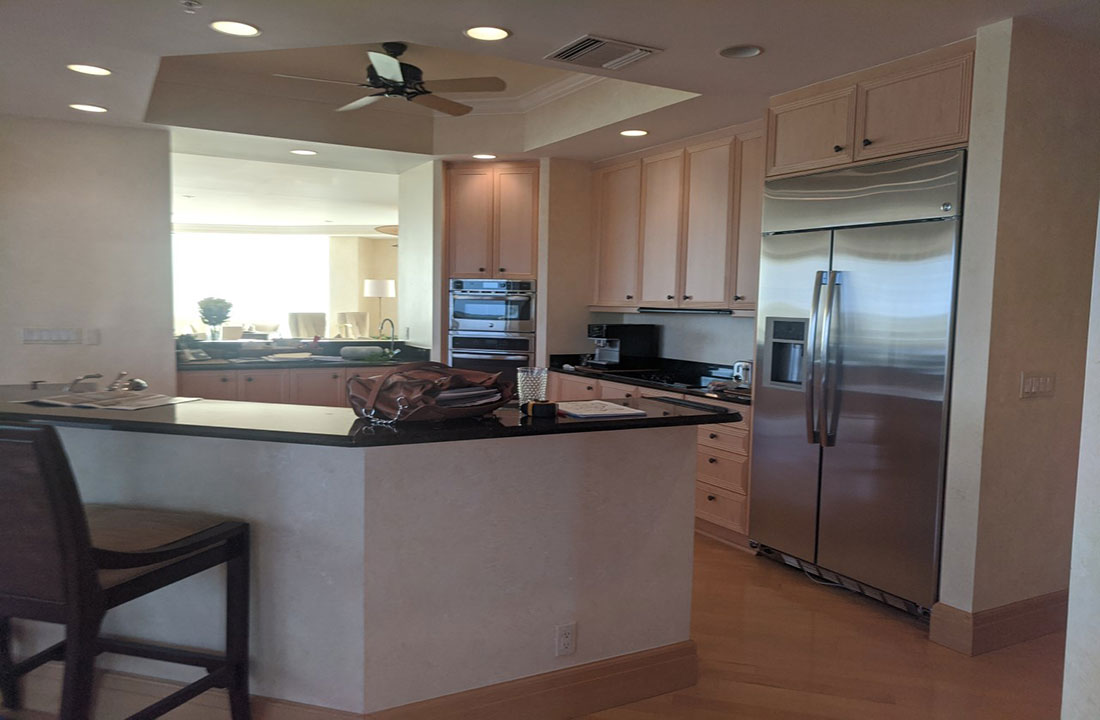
(379, 288)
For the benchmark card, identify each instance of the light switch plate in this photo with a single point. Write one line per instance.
(1035, 384)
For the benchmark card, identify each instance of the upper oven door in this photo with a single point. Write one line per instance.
(497, 312)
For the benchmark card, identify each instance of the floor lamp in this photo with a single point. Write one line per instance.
(373, 288)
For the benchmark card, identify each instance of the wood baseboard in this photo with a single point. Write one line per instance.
(722, 534)
(565, 693)
(555, 695)
(986, 630)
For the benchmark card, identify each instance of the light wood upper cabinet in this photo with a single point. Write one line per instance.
(618, 196)
(750, 195)
(470, 221)
(662, 200)
(924, 108)
(492, 220)
(811, 133)
(707, 244)
(517, 225)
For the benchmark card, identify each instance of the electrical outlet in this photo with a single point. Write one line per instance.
(565, 639)
(1036, 385)
(53, 336)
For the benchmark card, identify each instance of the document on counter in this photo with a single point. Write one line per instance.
(596, 409)
(108, 400)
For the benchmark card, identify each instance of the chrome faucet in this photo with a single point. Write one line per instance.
(91, 376)
(393, 334)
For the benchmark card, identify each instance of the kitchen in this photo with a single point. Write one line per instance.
(988, 549)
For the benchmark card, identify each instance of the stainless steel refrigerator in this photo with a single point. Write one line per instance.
(854, 334)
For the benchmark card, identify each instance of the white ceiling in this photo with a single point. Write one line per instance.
(224, 191)
(805, 41)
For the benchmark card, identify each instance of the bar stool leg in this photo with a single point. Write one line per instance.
(9, 684)
(80, 652)
(236, 628)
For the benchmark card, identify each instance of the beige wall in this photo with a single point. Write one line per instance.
(85, 243)
(1041, 251)
(420, 255)
(1081, 686)
(352, 260)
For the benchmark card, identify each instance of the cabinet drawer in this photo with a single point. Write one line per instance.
(727, 470)
(720, 506)
(724, 438)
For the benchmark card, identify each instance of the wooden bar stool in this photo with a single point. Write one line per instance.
(66, 563)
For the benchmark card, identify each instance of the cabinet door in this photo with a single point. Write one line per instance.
(707, 242)
(612, 390)
(750, 199)
(517, 223)
(262, 386)
(323, 386)
(619, 200)
(662, 195)
(578, 388)
(925, 108)
(812, 133)
(209, 384)
(470, 221)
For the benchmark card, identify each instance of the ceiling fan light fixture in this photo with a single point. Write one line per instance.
(633, 133)
(303, 152)
(88, 108)
(88, 69)
(486, 32)
(741, 51)
(484, 156)
(233, 27)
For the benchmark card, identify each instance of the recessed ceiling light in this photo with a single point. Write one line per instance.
(485, 156)
(89, 69)
(486, 32)
(87, 108)
(741, 51)
(232, 27)
(633, 133)
(303, 152)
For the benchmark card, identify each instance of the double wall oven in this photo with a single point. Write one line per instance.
(492, 325)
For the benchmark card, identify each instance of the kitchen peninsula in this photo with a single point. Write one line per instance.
(396, 568)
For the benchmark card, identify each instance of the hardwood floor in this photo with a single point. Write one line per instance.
(775, 646)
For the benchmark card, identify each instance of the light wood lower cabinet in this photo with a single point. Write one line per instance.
(323, 386)
(268, 386)
(299, 386)
(209, 384)
(575, 388)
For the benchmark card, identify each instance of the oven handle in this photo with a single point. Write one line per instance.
(488, 356)
(495, 295)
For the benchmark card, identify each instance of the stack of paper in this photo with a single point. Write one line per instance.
(596, 409)
(467, 397)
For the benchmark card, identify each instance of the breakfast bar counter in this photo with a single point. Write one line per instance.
(396, 568)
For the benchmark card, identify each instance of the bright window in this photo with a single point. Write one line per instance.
(264, 276)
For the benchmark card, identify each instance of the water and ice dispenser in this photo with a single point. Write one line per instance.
(784, 345)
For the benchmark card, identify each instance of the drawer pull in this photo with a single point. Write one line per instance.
(712, 460)
(224, 379)
(481, 269)
(838, 148)
(502, 270)
(711, 497)
(335, 376)
(866, 142)
(629, 395)
(248, 379)
(713, 436)
(588, 387)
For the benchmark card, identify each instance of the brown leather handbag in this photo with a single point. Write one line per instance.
(411, 393)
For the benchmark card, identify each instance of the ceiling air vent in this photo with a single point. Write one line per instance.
(592, 51)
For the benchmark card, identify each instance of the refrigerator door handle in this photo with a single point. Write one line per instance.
(809, 358)
(826, 437)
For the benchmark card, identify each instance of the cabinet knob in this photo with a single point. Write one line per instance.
(588, 387)
(866, 142)
(838, 148)
(712, 460)
(670, 297)
(738, 297)
(481, 269)
(224, 379)
(335, 376)
(629, 297)
(248, 379)
(502, 270)
(711, 498)
(629, 395)
(713, 436)
(687, 297)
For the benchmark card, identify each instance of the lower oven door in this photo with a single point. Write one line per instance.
(503, 363)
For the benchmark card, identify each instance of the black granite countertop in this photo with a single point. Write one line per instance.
(315, 425)
(627, 379)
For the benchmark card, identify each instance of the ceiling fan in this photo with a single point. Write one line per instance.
(395, 79)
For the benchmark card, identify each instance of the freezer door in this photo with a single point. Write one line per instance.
(786, 454)
(888, 351)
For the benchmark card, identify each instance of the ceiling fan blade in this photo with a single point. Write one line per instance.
(386, 66)
(470, 84)
(338, 82)
(361, 102)
(442, 104)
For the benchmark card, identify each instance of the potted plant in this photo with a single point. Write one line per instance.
(214, 312)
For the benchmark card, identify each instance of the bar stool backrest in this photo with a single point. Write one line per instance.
(45, 557)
